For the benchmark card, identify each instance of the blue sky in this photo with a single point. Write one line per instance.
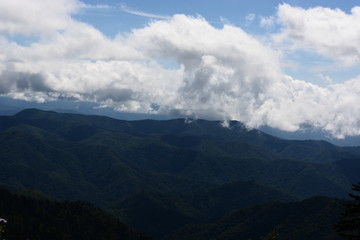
(115, 20)
(121, 17)
(282, 64)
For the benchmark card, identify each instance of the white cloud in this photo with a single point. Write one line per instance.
(98, 6)
(222, 67)
(224, 20)
(267, 22)
(78, 41)
(326, 79)
(140, 13)
(329, 32)
(224, 73)
(35, 16)
(250, 18)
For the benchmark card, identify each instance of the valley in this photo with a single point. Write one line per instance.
(175, 177)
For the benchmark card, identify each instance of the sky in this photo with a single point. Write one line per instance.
(284, 64)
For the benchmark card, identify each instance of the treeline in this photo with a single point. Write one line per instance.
(29, 218)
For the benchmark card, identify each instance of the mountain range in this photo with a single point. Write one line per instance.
(9, 106)
(159, 176)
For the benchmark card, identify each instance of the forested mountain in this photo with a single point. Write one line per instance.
(311, 219)
(159, 213)
(30, 218)
(172, 172)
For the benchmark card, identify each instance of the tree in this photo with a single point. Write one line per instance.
(271, 236)
(2, 228)
(349, 225)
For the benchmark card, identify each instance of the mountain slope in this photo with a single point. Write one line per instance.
(311, 219)
(173, 172)
(29, 218)
(82, 155)
(179, 131)
(158, 213)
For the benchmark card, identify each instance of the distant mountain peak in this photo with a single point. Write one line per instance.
(30, 112)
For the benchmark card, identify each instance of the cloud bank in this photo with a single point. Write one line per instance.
(223, 73)
(330, 32)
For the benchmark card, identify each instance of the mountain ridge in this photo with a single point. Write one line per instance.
(194, 171)
(234, 131)
(199, 150)
(310, 219)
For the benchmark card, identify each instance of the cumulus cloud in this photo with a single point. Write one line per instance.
(224, 73)
(79, 41)
(36, 16)
(20, 81)
(330, 32)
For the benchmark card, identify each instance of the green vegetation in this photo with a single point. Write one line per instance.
(164, 177)
(69, 156)
(2, 228)
(159, 214)
(29, 218)
(349, 225)
(311, 219)
(274, 235)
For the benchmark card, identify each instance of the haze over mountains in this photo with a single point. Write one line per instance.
(10, 106)
(159, 176)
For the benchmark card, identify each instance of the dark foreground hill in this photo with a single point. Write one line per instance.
(311, 219)
(29, 218)
(159, 213)
(101, 159)
(172, 172)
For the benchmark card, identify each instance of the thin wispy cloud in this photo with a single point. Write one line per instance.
(250, 18)
(140, 13)
(98, 6)
(267, 22)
